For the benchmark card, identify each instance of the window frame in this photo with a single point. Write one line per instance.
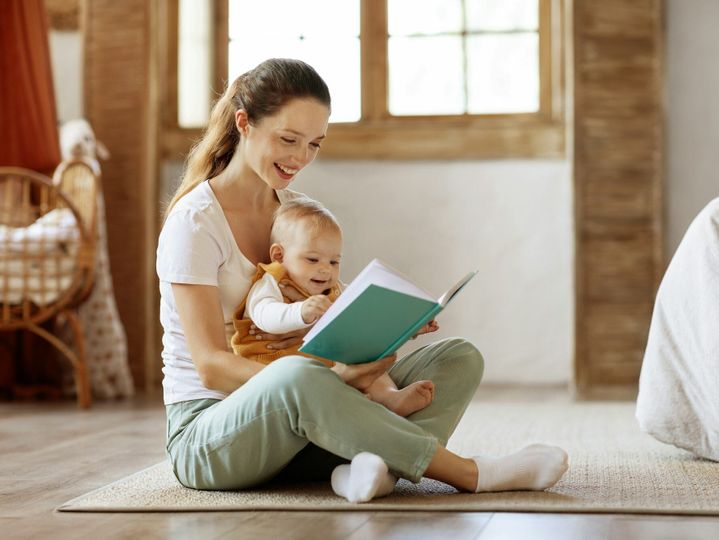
(379, 135)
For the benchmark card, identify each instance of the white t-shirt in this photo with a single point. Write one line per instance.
(196, 246)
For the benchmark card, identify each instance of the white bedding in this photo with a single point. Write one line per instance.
(38, 261)
(678, 400)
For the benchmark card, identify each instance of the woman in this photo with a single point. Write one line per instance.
(234, 423)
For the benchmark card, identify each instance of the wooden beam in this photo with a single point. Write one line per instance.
(618, 172)
(119, 105)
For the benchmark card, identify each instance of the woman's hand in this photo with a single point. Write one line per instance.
(279, 341)
(431, 326)
(361, 376)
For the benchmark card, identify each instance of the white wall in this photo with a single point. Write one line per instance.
(692, 178)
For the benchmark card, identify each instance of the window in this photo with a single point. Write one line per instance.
(194, 101)
(419, 80)
(480, 56)
(332, 48)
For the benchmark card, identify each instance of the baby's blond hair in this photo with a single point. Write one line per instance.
(302, 211)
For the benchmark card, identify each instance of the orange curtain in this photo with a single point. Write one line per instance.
(28, 121)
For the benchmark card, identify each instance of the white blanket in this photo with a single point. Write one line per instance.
(37, 262)
(678, 400)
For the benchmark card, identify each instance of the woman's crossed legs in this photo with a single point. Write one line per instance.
(297, 419)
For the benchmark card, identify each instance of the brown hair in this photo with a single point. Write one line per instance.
(302, 210)
(261, 92)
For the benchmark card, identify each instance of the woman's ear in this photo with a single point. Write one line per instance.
(241, 121)
(276, 253)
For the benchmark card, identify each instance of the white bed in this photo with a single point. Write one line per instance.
(678, 400)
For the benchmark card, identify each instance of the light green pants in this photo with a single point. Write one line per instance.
(297, 420)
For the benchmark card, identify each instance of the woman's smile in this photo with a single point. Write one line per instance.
(286, 173)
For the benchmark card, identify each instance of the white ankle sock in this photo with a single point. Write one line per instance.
(364, 479)
(535, 467)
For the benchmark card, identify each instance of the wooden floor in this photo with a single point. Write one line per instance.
(51, 452)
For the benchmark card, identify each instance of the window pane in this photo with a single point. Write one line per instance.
(251, 19)
(426, 75)
(499, 15)
(332, 49)
(193, 64)
(340, 70)
(407, 17)
(503, 73)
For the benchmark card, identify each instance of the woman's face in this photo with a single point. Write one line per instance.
(277, 147)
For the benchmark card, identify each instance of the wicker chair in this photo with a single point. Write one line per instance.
(47, 245)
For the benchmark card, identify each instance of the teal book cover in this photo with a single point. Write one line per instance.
(368, 328)
(377, 313)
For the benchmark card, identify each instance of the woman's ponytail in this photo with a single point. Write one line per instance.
(211, 154)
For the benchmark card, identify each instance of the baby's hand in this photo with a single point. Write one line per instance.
(314, 307)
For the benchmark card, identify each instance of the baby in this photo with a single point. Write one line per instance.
(306, 247)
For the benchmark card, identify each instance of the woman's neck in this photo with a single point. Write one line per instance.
(239, 188)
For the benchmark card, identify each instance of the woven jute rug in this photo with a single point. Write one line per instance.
(613, 468)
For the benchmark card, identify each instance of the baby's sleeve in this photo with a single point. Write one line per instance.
(268, 310)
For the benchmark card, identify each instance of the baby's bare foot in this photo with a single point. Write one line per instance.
(409, 399)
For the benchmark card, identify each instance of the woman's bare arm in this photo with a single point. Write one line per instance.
(203, 323)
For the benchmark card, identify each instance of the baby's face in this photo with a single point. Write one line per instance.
(313, 260)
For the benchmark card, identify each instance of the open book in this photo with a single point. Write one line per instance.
(375, 315)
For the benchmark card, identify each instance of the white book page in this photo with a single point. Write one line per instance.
(375, 273)
(454, 289)
(389, 278)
